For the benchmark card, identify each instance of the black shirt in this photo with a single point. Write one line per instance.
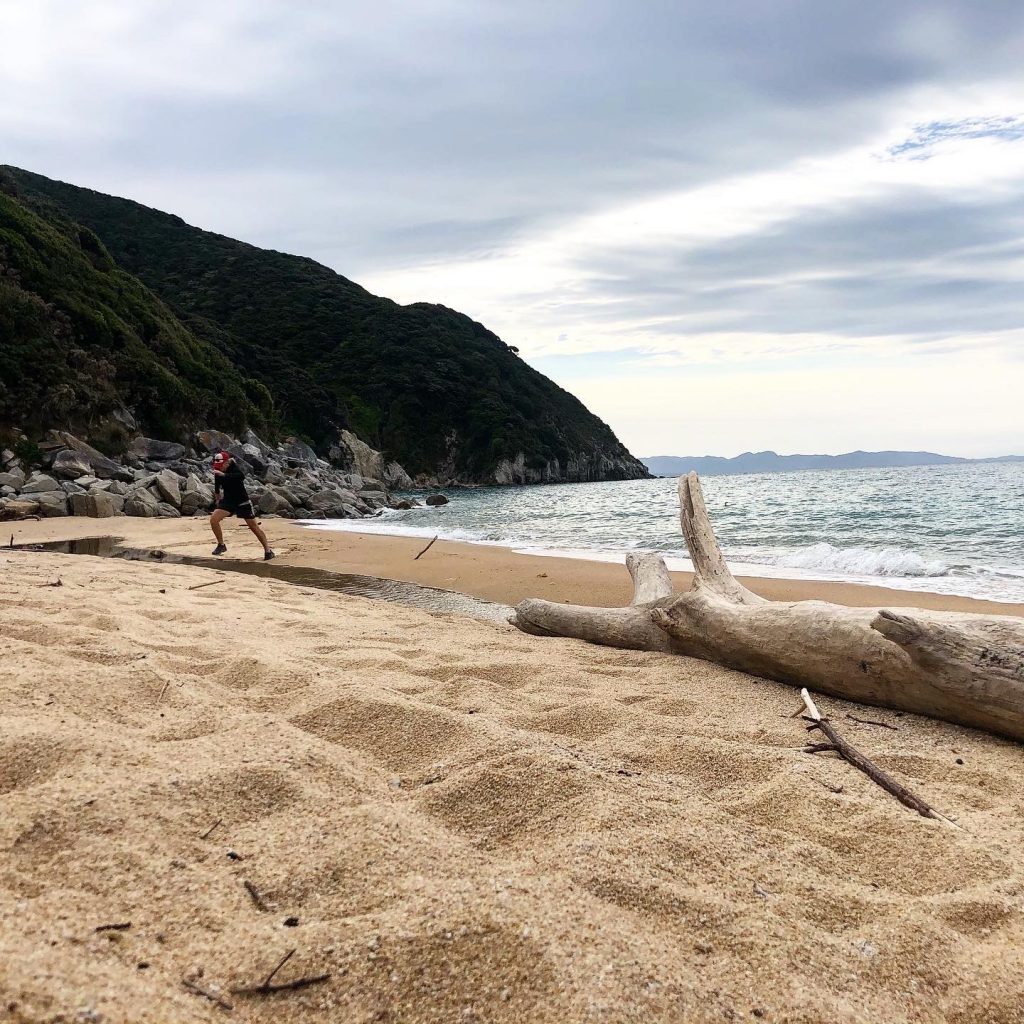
(231, 483)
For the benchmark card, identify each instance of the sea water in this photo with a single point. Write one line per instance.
(949, 529)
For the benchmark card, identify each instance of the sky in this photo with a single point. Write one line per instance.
(729, 226)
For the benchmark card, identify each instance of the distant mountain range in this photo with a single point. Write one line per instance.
(772, 462)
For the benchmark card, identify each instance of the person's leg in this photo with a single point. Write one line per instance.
(260, 535)
(218, 516)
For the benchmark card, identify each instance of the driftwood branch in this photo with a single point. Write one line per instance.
(195, 986)
(848, 752)
(426, 549)
(963, 668)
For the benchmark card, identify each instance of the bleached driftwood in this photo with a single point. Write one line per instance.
(960, 667)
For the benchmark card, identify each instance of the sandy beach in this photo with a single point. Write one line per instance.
(453, 821)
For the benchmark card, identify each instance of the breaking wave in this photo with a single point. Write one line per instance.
(864, 561)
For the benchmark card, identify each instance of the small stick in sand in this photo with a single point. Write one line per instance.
(268, 986)
(257, 898)
(426, 549)
(193, 985)
(206, 834)
(199, 586)
(852, 755)
(163, 691)
(871, 721)
(121, 927)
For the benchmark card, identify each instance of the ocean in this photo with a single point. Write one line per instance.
(948, 529)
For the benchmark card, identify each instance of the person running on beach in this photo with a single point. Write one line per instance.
(233, 500)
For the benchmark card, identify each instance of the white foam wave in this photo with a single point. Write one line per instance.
(863, 561)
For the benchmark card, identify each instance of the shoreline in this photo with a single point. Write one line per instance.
(486, 571)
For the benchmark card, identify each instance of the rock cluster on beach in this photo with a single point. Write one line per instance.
(164, 478)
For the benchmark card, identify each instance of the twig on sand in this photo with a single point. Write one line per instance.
(851, 754)
(192, 984)
(426, 549)
(121, 927)
(256, 897)
(211, 583)
(207, 833)
(871, 721)
(268, 986)
(163, 691)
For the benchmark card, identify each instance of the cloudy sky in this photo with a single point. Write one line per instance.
(726, 226)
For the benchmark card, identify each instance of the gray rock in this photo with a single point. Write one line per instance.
(38, 483)
(7, 492)
(264, 451)
(100, 485)
(272, 502)
(213, 441)
(436, 499)
(98, 506)
(71, 464)
(140, 502)
(395, 477)
(144, 476)
(7, 458)
(52, 503)
(69, 487)
(298, 452)
(125, 418)
(169, 487)
(87, 481)
(401, 504)
(14, 477)
(148, 449)
(331, 498)
(15, 508)
(98, 464)
(192, 502)
(167, 511)
(117, 487)
(371, 485)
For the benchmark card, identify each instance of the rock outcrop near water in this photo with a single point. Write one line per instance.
(161, 478)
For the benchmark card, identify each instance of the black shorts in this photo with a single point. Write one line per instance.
(243, 510)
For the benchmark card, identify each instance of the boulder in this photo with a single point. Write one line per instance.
(371, 485)
(213, 441)
(98, 506)
(169, 487)
(264, 451)
(97, 463)
(356, 456)
(88, 481)
(193, 501)
(272, 502)
(70, 464)
(401, 504)
(330, 498)
(7, 492)
(8, 458)
(15, 508)
(166, 510)
(117, 487)
(125, 418)
(395, 478)
(298, 452)
(38, 483)
(148, 449)
(14, 477)
(99, 485)
(52, 503)
(69, 487)
(139, 502)
(436, 499)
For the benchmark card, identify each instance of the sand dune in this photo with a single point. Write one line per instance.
(468, 824)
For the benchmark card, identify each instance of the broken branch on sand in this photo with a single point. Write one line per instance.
(257, 898)
(121, 927)
(199, 586)
(964, 668)
(268, 986)
(853, 756)
(192, 984)
(426, 549)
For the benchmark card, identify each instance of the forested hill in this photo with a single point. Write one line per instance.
(80, 338)
(426, 384)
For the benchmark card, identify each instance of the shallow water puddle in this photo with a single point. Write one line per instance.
(428, 598)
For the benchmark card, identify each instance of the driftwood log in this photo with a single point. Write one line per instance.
(962, 668)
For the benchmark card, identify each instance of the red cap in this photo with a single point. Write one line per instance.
(221, 458)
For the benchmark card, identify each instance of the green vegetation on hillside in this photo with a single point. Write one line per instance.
(80, 338)
(429, 386)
